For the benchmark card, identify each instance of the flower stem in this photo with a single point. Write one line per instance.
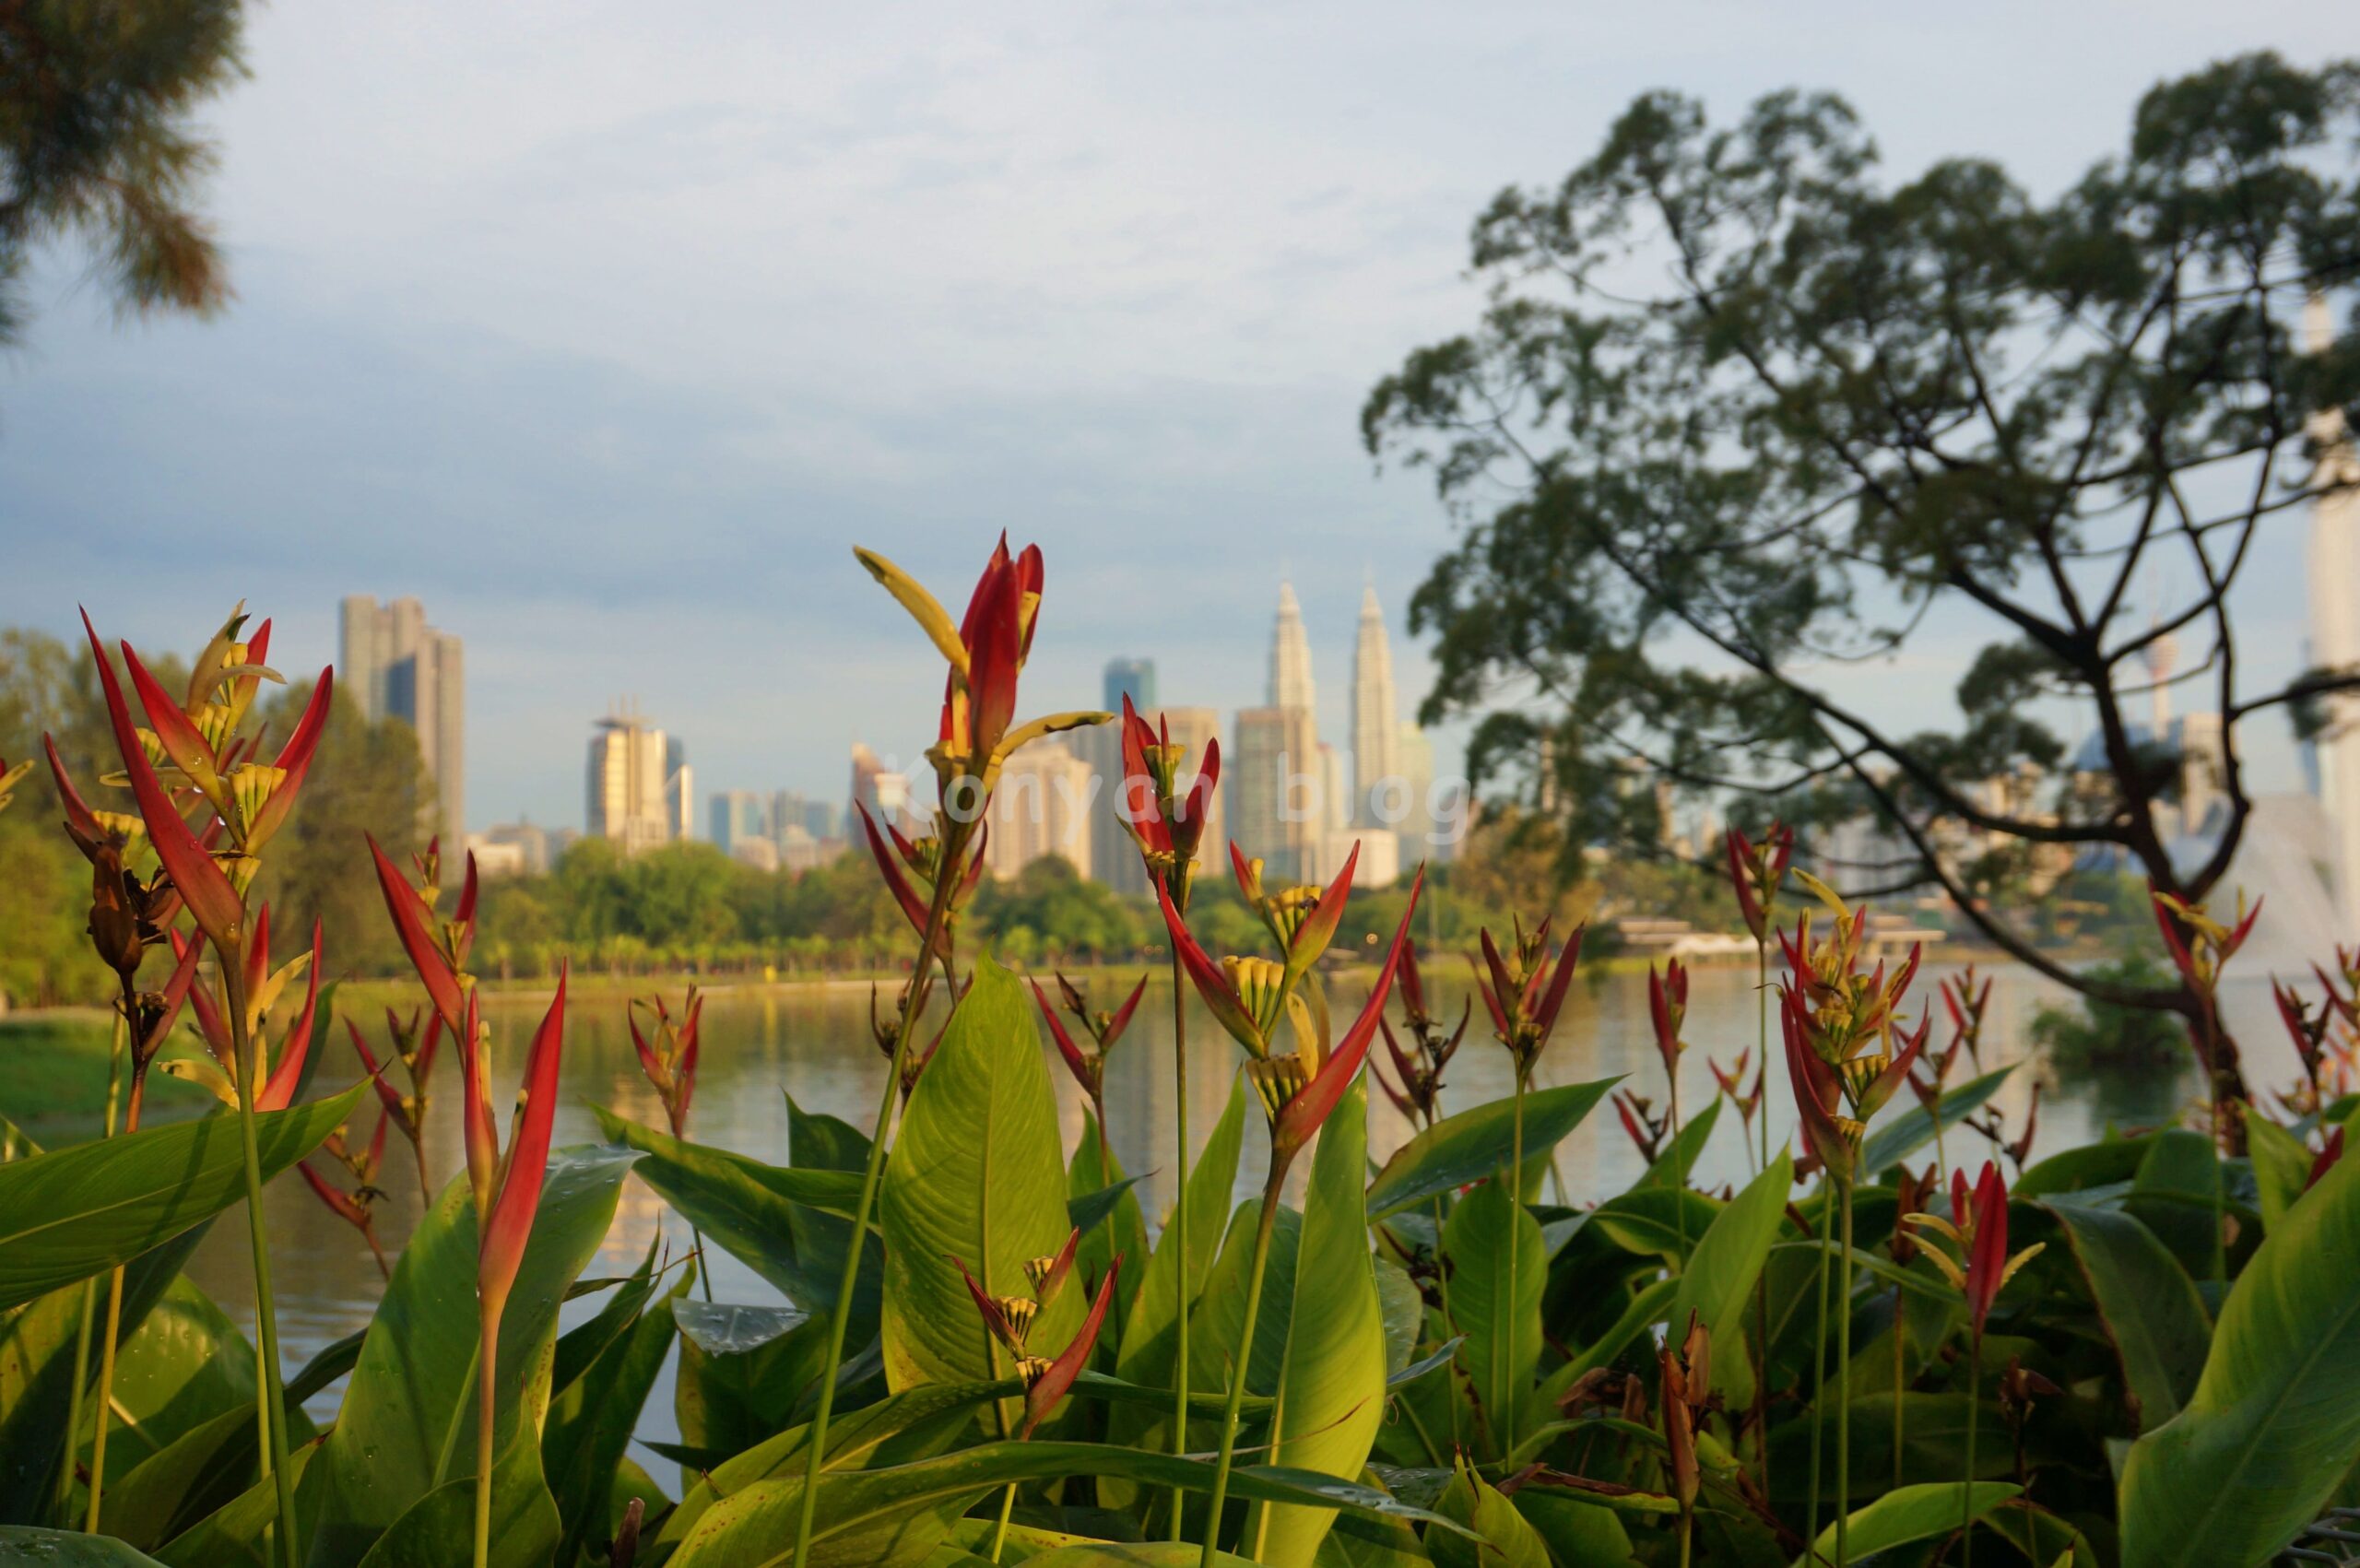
(913, 1003)
(118, 1046)
(999, 1531)
(1966, 1489)
(1900, 1377)
(1844, 1404)
(1501, 1398)
(1179, 1231)
(114, 1331)
(270, 1393)
(487, 1409)
(1262, 1228)
(1818, 1378)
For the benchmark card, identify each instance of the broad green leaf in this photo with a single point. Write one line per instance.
(63, 1549)
(168, 1491)
(1909, 1128)
(1580, 1534)
(1914, 1512)
(233, 1532)
(67, 1216)
(1131, 1555)
(1673, 1166)
(407, 1423)
(1646, 1308)
(2280, 1166)
(1497, 1275)
(1474, 1143)
(37, 1342)
(2147, 1306)
(1150, 1341)
(591, 1418)
(885, 1518)
(187, 1364)
(330, 1363)
(1331, 1391)
(1664, 1222)
(2272, 1427)
(1100, 1204)
(756, 1213)
(438, 1530)
(1220, 1314)
(1718, 1284)
(2097, 1165)
(975, 1174)
(2178, 1194)
(1503, 1537)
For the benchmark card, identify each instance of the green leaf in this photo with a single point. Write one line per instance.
(438, 1530)
(1672, 1167)
(1718, 1284)
(592, 1416)
(2146, 1303)
(1150, 1339)
(1331, 1392)
(2272, 1427)
(1910, 1128)
(1131, 1555)
(1649, 1306)
(67, 1216)
(722, 1328)
(2281, 1167)
(330, 1363)
(2178, 1194)
(2097, 1165)
(1098, 1191)
(975, 1174)
(883, 1518)
(63, 1549)
(1916, 1512)
(1658, 1221)
(1503, 1538)
(758, 1214)
(1496, 1305)
(1474, 1143)
(407, 1423)
(233, 1532)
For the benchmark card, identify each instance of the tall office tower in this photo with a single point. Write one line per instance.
(1041, 806)
(397, 667)
(1275, 792)
(884, 791)
(680, 791)
(2333, 568)
(820, 819)
(1409, 803)
(1114, 857)
(738, 815)
(626, 799)
(1134, 679)
(1376, 720)
(1289, 656)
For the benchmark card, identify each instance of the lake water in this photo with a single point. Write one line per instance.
(814, 1042)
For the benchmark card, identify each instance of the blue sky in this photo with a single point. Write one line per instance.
(606, 329)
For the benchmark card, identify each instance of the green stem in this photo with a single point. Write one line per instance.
(1502, 1396)
(1762, 1035)
(1900, 1378)
(1687, 1531)
(913, 1002)
(119, 1045)
(1262, 1228)
(1818, 1377)
(102, 1416)
(1761, 1282)
(1442, 1284)
(1179, 1231)
(270, 1392)
(999, 1531)
(1967, 1492)
(1843, 1404)
(486, 1409)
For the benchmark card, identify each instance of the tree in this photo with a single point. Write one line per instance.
(1738, 414)
(98, 143)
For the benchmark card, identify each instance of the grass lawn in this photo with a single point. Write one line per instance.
(53, 1076)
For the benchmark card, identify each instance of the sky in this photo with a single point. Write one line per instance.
(606, 329)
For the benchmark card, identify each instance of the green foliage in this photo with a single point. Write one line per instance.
(2095, 1032)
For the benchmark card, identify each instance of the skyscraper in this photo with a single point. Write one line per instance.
(2333, 570)
(680, 791)
(738, 815)
(397, 667)
(626, 782)
(1134, 679)
(1042, 805)
(884, 791)
(1275, 791)
(1289, 656)
(1377, 720)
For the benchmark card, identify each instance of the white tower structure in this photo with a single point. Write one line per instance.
(2333, 568)
(1290, 656)
(1376, 724)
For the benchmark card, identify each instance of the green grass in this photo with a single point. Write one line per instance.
(53, 1076)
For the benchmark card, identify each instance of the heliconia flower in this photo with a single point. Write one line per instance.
(1911, 1193)
(1687, 1379)
(389, 1099)
(1303, 1113)
(670, 1063)
(2208, 945)
(203, 887)
(252, 799)
(2307, 1029)
(1833, 1137)
(1089, 1067)
(1978, 1227)
(1667, 1010)
(437, 948)
(1248, 997)
(1045, 1382)
(1639, 1123)
(1732, 1084)
(1754, 873)
(516, 1196)
(1965, 1002)
(1524, 993)
(1166, 822)
(279, 1073)
(2330, 1150)
(10, 777)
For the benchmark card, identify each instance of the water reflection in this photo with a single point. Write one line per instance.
(761, 1044)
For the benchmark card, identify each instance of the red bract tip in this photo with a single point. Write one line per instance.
(1120, 1019)
(510, 1225)
(287, 1073)
(1041, 1399)
(1077, 1062)
(1211, 985)
(411, 915)
(1567, 958)
(387, 1095)
(1312, 1104)
(2331, 1151)
(295, 759)
(897, 881)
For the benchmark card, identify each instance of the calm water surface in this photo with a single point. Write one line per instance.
(814, 1043)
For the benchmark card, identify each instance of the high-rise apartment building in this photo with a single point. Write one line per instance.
(626, 797)
(738, 815)
(1042, 805)
(395, 666)
(1376, 719)
(1276, 810)
(680, 791)
(885, 793)
(1134, 679)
